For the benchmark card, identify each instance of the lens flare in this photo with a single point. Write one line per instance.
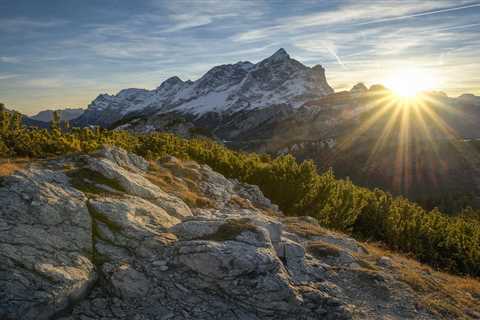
(409, 83)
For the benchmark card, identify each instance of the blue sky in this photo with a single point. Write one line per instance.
(58, 53)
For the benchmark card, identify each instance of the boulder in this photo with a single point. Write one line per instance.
(123, 159)
(45, 245)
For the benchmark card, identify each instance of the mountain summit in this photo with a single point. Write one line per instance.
(224, 89)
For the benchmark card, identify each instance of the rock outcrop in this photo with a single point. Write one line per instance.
(111, 236)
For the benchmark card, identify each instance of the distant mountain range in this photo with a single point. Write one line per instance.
(223, 91)
(246, 103)
(67, 114)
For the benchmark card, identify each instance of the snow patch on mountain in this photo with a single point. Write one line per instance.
(223, 89)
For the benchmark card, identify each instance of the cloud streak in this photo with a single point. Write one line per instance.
(349, 15)
(422, 14)
(58, 56)
(22, 24)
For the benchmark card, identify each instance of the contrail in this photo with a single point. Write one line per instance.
(458, 27)
(419, 14)
(333, 53)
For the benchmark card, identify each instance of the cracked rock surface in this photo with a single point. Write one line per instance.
(116, 237)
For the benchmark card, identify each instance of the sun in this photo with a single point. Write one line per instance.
(409, 83)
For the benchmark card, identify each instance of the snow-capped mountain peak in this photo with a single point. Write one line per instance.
(227, 88)
(279, 55)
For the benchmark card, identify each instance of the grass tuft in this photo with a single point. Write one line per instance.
(230, 230)
(7, 168)
(320, 249)
(89, 182)
(303, 229)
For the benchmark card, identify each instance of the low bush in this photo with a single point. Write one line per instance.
(448, 242)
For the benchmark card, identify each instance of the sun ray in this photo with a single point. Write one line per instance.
(386, 132)
(367, 124)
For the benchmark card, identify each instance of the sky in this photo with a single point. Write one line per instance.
(63, 53)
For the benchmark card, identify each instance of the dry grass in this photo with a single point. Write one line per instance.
(444, 295)
(241, 202)
(230, 230)
(183, 169)
(322, 249)
(7, 168)
(185, 188)
(302, 228)
(90, 182)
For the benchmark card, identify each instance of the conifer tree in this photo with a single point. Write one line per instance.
(16, 121)
(55, 124)
(4, 119)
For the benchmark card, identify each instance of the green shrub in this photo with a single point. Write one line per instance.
(448, 242)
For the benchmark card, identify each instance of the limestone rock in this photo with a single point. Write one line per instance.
(142, 253)
(45, 245)
(137, 185)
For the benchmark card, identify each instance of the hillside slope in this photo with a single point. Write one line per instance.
(112, 236)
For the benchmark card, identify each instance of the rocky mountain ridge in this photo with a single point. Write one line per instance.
(224, 89)
(67, 114)
(112, 236)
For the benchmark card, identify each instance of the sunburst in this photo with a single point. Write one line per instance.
(407, 118)
(408, 83)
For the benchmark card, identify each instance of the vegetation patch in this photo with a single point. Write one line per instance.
(320, 249)
(365, 264)
(303, 229)
(241, 202)
(183, 188)
(230, 230)
(97, 216)
(90, 182)
(7, 168)
(441, 308)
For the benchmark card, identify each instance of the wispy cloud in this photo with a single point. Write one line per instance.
(5, 59)
(205, 12)
(23, 23)
(421, 14)
(6, 76)
(70, 59)
(350, 15)
(44, 83)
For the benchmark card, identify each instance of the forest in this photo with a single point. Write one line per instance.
(448, 242)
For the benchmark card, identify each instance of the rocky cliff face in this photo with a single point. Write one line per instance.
(112, 236)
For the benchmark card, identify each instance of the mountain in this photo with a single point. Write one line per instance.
(27, 121)
(223, 91)
(65, 114)
(112, 236)
(429, 153)
(279, 106)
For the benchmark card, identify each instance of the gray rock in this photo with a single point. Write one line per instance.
(137, 185)
(141, 254)
(45, 245)
(385, 262)
(123, 159)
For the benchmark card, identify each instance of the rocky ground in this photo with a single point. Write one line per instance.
(112, 236)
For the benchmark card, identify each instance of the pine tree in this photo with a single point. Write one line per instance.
(4, 119)
(55, 124)
(16, 121)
